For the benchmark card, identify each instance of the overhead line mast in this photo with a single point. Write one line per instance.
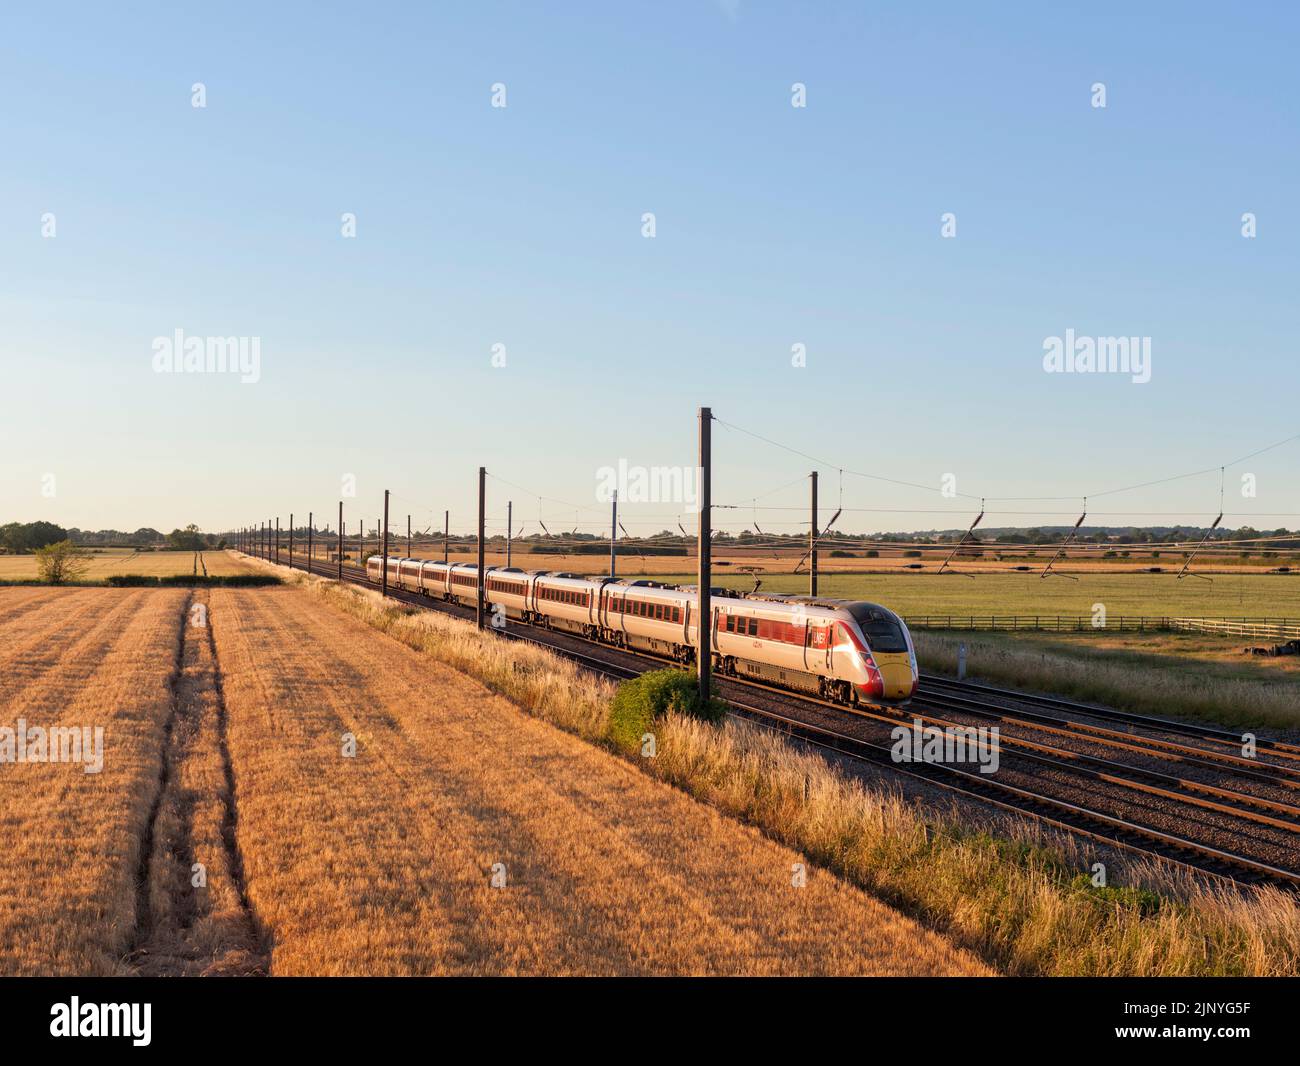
(1065, 544)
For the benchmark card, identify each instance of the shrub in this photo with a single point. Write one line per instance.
(872, 553)
(61, 563)
(641, 700)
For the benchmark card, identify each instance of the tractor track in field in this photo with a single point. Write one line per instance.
(193, 916)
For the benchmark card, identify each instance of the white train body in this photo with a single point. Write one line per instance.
(839, 649)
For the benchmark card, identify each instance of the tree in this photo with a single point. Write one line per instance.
(28, 536)
(188, 539)
(61, 563)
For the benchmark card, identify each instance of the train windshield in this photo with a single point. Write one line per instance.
(882, 631)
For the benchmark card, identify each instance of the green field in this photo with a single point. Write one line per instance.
(1232, 595)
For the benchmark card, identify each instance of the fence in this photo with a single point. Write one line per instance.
(1280, 628)
(1256, 628)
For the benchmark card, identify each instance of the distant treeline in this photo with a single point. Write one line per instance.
(20, 538)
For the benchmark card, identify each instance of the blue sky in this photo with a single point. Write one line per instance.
(775, 225)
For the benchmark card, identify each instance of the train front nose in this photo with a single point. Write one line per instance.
(897, 676)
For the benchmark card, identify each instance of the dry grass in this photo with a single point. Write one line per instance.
(1168, 681)
(381, 863)
(109, 561)
(72, 840)
(1016, 897)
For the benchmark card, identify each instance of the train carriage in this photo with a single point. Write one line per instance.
(648, 616)
(433, 579)
(509, 588)
(567, 602)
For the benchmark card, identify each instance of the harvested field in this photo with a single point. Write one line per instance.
(383, 863)
(95, 658)
(110, 561)
(228, 834)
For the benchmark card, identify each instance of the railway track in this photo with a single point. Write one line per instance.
(1210, 734)
(1222, 814)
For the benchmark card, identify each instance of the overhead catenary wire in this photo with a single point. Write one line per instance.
(1012, 499)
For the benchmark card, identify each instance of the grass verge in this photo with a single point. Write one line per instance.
(1015, 896)
(1163, 684)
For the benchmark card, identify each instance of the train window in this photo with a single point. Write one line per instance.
(753, 627)
(731, 623)
(884, 635)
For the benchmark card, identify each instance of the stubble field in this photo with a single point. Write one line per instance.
(231, 831)
(112, 561)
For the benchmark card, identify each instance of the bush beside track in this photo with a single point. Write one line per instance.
(642, 701)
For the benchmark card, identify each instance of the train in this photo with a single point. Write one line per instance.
(845, 651)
